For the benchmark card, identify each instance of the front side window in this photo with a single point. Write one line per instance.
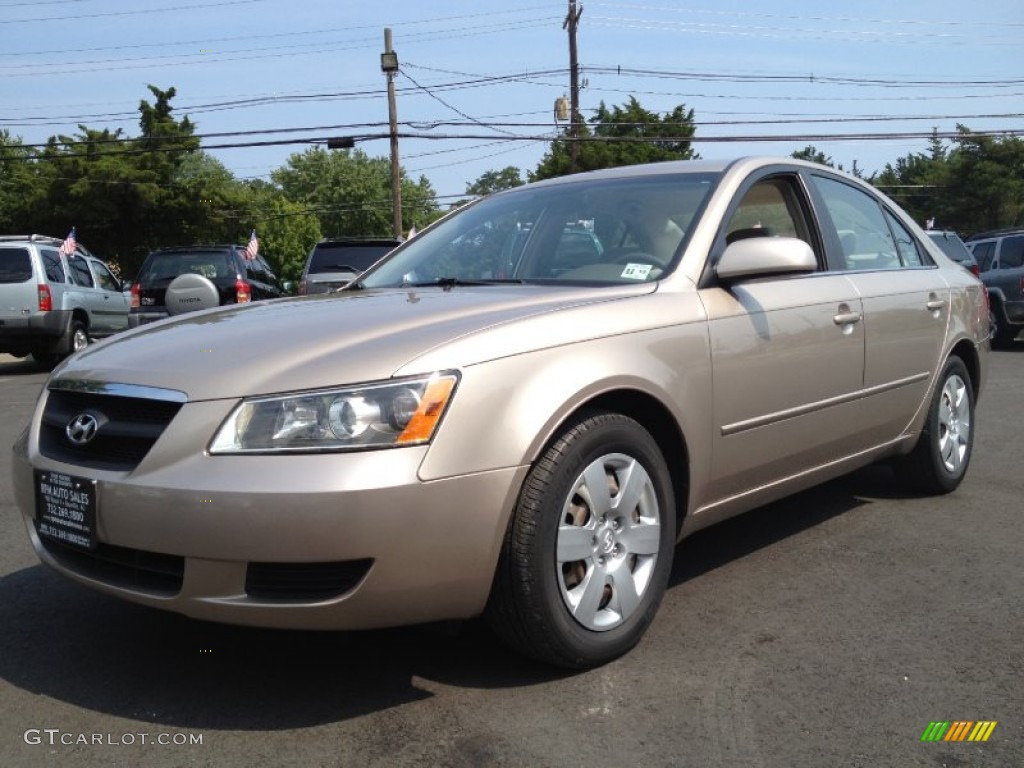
(105, 279)
(770, 208)
(605, 231)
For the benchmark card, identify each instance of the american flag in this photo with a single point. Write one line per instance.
(69, 244)
(253, 247)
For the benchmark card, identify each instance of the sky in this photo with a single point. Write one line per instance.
(490, 72)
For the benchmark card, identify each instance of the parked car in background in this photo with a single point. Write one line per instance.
(1000, 256)
(334, 261)
(173, 281)
(522, 428)
(53, 303)
(951, 245)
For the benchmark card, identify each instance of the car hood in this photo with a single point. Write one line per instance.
(341, 338)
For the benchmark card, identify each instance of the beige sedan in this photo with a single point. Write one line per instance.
(518, 413)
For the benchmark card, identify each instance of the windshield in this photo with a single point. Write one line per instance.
(164, 267)
(346, 257)
(605, 231)
(952, 246)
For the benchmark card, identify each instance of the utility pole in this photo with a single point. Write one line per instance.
(389, 65)
(570, 23)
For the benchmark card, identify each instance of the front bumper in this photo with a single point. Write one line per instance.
(219, 530)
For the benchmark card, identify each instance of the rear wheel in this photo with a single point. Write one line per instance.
(588, 552)
(939, 461)
(1003, 332)
(78, 337)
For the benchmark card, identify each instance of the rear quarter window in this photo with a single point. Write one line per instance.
(52, 265)
(1011, 252)
(15, 265)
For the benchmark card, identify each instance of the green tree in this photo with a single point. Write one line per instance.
(23, 183)
(814, 155)
(124, 195)
(495, 181)
(625, 135)
(490, 182)
(977, 184)
(986, 180)
(350, 192)
(286, 230)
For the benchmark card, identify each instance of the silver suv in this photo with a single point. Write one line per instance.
(1000, 256)
(53, 304)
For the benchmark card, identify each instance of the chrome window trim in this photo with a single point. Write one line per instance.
(116, 389)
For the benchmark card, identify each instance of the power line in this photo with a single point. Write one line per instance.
(132, 13)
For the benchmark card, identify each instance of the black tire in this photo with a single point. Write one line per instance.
(543, 607)
(1003, 332)
(1005, 335)
(77, 338)
(940, 459)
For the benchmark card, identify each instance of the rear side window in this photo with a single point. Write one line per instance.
(15, 265)
(983, 253)
(866, 240)
(906, 245)
(952, 246)
(80, 274)
(1011, 252)
(52, 265)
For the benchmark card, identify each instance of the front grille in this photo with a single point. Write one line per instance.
(128, 428)
(304, 581)
(135, 569)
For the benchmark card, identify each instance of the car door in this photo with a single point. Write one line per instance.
(111, 313)
(905, 299)
(787, 353)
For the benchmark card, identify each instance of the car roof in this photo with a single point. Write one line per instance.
(996, 233)
(200, 247)
(360, 241)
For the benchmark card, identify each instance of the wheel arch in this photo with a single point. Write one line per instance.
(659, 421)
(79, 314)
(968, 352)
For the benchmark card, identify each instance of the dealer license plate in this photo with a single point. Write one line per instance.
(66, 508)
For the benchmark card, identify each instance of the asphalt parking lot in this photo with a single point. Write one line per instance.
(829, 629)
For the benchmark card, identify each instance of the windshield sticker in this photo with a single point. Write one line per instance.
(636, 271)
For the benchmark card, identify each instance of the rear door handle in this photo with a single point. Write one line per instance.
(846, 317)
(935, 304)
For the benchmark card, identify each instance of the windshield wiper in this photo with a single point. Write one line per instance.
(452, 282)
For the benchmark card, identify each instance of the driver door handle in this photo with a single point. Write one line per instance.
(845, 316)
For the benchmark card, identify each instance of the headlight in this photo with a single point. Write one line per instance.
(369, 416)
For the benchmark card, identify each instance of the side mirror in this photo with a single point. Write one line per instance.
(288, 286)
(765, 256)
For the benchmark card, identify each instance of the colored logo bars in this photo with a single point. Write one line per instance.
(958, 730)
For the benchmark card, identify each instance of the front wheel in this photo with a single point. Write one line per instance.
(939, 461)
(587, 555)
